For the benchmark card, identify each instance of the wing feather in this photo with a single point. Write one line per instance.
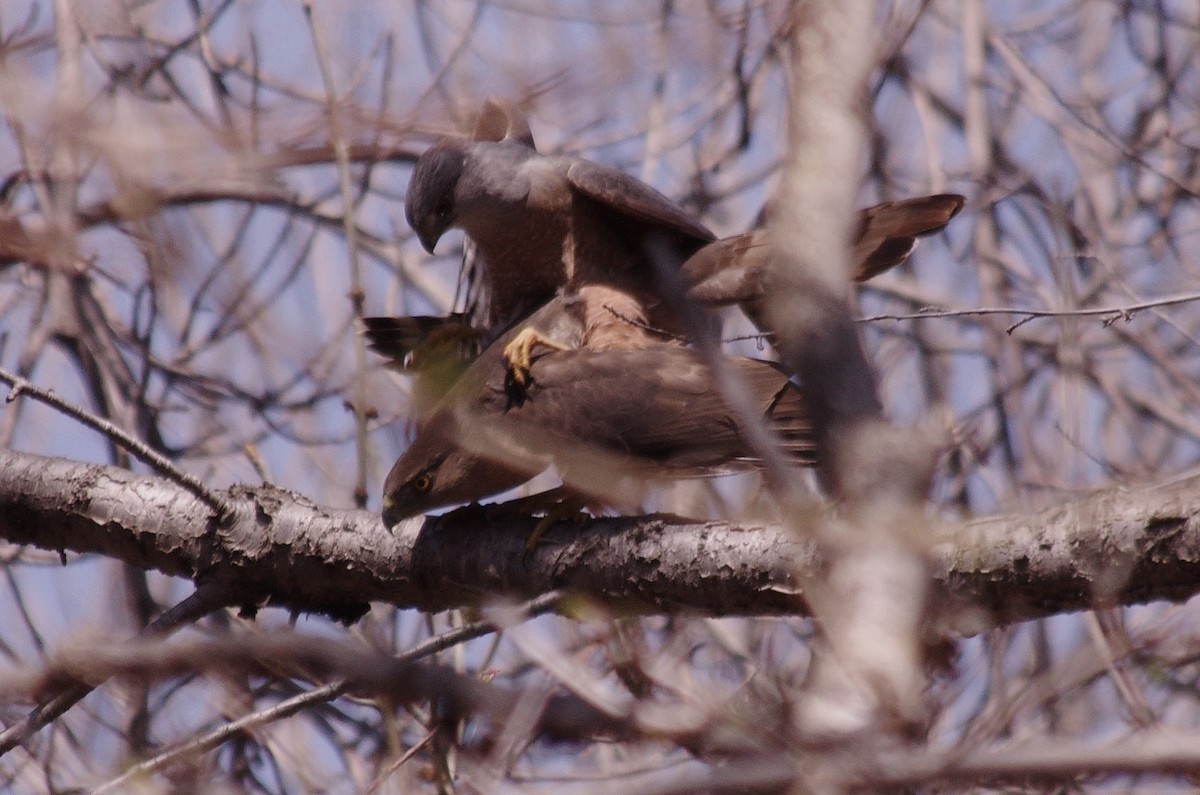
(887, 233)
(631, 197)
(731, 270)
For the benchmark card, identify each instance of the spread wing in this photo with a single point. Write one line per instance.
(887, 233)
(437, 350)
(731, 270)
(412, 344)
(635, 199)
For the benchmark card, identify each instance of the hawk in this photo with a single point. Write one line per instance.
(576, 239)
(649, 412)
(726, 271)
(539, 223)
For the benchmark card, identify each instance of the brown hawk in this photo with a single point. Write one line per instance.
(726, 271)
(575, 238)
(539, 223)
(650, 412)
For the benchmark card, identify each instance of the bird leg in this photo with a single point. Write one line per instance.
(568, 508)
(558, 504)
(518, 353)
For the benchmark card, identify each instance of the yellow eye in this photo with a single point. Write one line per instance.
(422, 482)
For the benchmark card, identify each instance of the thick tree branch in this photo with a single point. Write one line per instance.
(1119, 546)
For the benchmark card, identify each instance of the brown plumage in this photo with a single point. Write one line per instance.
(588, 244)
(651, 412)
(731, 270)
(726, 271)
(539, 223)
(434, 350)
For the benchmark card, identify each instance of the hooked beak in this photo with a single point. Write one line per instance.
(391, 516)
(428, 239)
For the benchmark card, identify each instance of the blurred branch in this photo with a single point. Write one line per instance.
(325, 693)
(564, 716)
(349, 225)
(1161, 753)
(871, 597)
(365, 670)
(64, 693)
(1119, 546)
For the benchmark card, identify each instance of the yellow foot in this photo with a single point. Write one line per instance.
(567, 510)
(558, 504)
(518, 353)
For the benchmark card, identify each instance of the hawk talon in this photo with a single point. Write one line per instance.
(518, 353)
(567, 510)
(558, 504)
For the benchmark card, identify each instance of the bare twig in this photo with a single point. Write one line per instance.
(1111, 313)
(325, 693)
(350, 227)
(204, 600)
(156, 460)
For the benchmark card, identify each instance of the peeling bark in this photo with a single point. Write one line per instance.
(1118, 546)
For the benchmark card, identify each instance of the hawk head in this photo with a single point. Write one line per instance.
(435, 472)
(431, 205)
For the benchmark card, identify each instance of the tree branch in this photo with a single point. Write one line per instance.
(1119, 546)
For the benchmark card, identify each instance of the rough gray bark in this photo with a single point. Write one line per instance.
(1119, 546)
